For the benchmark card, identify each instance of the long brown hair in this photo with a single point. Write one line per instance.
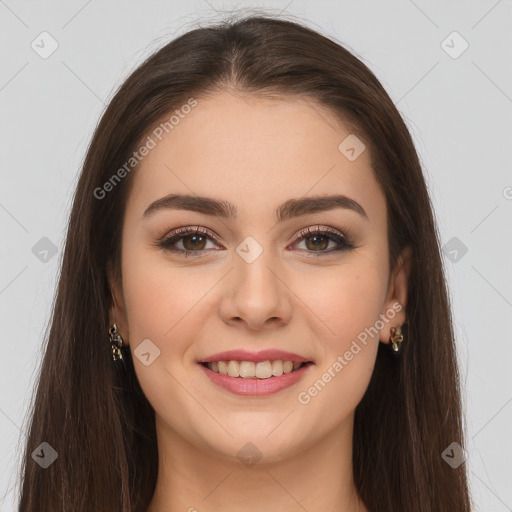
(94, 413)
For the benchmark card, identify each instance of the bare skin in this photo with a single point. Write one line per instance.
(257, 155)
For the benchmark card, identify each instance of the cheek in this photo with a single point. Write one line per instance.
(159, 294)
(345, 306)
(348, 357)
(160, 304)
(344, 301)
(155, 301)
(166, 304)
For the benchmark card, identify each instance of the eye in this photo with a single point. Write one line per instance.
(318, 238)
(193, 240)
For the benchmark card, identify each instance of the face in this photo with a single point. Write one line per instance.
(273, 267)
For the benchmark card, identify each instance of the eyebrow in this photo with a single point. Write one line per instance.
(289, 209)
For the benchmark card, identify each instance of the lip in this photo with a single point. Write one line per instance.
(256, 387)
(255, 357)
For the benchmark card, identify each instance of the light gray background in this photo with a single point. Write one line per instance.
(459, 111)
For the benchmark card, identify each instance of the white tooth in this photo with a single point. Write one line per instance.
(234, 369)
(247, 369)
(264, 370)
(277, 368)
(223, 367)
(287, 367)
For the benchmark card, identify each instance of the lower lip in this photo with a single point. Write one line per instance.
(256, 387)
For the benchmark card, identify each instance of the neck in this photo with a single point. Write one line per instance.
(317, 478)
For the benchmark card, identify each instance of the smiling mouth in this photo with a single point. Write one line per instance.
(249, 370)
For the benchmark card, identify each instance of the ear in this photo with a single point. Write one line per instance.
(396, 300)
(117, 310)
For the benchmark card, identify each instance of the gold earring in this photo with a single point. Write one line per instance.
(396, 339)
(117, 342)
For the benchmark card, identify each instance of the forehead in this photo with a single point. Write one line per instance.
(256, 154)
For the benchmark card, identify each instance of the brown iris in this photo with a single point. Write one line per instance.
(319, 244)
(196, 243)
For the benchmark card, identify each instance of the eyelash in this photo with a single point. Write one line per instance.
(166, 242)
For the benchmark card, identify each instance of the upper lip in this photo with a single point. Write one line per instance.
(255, 357)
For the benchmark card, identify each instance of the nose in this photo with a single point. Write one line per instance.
(256, 294)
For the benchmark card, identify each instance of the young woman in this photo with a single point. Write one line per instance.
(252, 312)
